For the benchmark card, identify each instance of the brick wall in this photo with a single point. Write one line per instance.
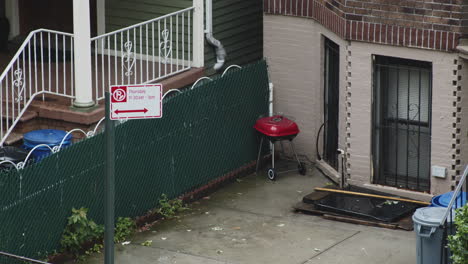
(435, 24)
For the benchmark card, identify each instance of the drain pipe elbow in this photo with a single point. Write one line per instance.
(220, 51)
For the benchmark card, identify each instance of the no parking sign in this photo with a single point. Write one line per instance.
(136, 101)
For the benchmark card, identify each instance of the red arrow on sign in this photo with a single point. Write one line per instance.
(131, 111)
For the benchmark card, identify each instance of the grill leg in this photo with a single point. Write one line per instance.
(258, 156)
(273, 155)
(282, 149)
(295, 154)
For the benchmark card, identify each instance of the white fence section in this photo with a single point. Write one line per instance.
(42, 65)
(143, 53)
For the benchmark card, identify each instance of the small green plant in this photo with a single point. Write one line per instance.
(96, 248)
(147, 243)
(458, 243)
(169, 208)
(123, 229)
(80, 230)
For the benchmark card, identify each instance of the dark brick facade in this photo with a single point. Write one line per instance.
(431, 24)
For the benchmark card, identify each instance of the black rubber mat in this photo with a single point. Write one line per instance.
(365, 207)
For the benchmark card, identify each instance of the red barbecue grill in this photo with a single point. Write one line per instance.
(277, 128)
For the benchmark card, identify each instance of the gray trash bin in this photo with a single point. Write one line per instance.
(429, 234)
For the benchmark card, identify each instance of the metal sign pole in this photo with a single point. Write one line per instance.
(109, 187)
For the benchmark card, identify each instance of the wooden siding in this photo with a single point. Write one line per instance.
(238, 24)
(123, 13)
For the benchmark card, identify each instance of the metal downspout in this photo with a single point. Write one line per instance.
(220, 51)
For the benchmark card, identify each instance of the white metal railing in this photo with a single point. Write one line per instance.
(19, 165)
(54, 149)
(40, 66)
(143, 53)
(459, 196)
(458, 200)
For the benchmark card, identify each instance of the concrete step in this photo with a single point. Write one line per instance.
(10, 114)
(13, 139)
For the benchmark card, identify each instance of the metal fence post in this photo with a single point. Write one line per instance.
(109, 186)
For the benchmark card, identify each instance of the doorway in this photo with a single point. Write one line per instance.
(331, 102)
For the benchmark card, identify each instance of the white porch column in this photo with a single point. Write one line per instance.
(198, 34)
(82, 48)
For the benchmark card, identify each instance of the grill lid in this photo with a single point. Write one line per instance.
(276, 126)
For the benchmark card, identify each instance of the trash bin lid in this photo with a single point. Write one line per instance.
(46, 136)
(444, 199)
(429, 216)
(12, 154)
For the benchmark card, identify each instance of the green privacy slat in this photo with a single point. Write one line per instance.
(204, 133)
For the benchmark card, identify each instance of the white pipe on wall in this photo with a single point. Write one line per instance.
(101, 16)
(270, 111)
(12, 13)
(220, 51)
(271, 86)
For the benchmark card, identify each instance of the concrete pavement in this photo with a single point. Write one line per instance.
(252, 221)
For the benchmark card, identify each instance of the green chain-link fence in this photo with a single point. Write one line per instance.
(204, 133)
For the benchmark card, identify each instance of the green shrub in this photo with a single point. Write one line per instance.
(169, 208)
(80, 230)
(458, 243)
(123, 229)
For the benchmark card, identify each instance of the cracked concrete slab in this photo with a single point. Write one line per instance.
(147, 255)
(243, 237)
(372, 246)
(252, 221)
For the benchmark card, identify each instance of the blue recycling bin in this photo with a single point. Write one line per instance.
(443, 200)
(49, 137)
